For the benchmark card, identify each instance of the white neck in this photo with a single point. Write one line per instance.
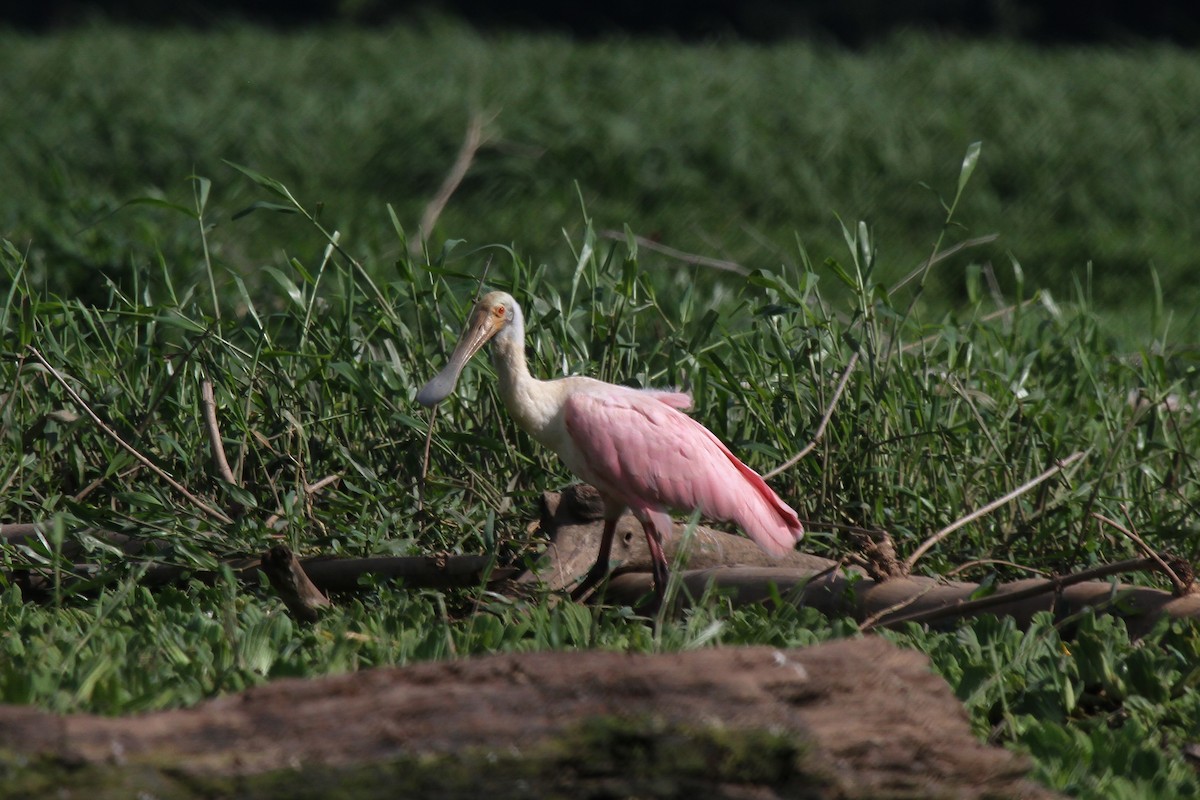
(533, 403)
(536, 405)
(508, 357)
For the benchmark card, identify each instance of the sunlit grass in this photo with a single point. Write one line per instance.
(725, 150)
(316, 376)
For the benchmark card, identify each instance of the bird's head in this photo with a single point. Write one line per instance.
(494, 312)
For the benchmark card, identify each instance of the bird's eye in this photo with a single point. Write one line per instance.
(498, 311)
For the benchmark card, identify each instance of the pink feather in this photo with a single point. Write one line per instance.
(680, 400)
(637, 449)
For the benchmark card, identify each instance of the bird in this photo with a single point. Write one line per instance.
(635, 446)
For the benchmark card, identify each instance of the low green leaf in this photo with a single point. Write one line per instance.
(970, 161)
(288, 285)
(263, 205)
(270, 184)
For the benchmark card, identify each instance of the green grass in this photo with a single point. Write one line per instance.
(727, 150)
(316, 377)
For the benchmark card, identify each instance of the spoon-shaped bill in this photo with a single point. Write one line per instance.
(440, 386)
(483, 326)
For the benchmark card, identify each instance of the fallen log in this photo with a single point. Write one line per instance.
(736, 567)
(707, 559)
(752, 722)
(326, 574)
(571, 520)
(913, 599)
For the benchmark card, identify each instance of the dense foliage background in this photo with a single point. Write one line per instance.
(172, 197)
(730, 151)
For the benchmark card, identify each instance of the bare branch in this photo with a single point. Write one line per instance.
(1177, 584)
(824, 421)
(466, 154)
(209, 404)
(215, 513)
(989, 508)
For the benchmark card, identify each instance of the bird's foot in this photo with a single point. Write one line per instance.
(589, 585)
(661, 577)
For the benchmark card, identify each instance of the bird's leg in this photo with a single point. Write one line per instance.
(599, 570)
(652, 521)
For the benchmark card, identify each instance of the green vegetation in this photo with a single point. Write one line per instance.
(725, 150)
(945, 413)
(315, 359)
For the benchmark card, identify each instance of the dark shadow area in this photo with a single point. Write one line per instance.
(853, 23)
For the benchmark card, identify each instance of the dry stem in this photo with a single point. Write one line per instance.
(989, 508)
(824, 421)
(685, 257)
(1180, 588)
(215, 513)
(466, 154)
(309, 490)
(209, 404)
(942, 256)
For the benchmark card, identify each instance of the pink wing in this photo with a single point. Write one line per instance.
(680, 400)
(646, 454)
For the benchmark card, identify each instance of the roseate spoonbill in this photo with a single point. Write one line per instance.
(634, 445)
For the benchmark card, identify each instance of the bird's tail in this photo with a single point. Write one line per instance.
(765, 518)
(753, 505)
(771, 523)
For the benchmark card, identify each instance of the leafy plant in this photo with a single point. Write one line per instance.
(105, 423)
(721, 149)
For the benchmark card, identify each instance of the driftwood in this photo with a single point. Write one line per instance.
(736, 567)
(737, 723)
(301, 596)
(710, 560)
(572, 521)
(918, 599)
(287, 573)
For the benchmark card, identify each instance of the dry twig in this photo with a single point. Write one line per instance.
(873, 620)
(209, 404)
(215, 513)
(985, 561)
(472, 141)
(824, 421)
(987, 509)
(1178, 585)
(310, 489)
